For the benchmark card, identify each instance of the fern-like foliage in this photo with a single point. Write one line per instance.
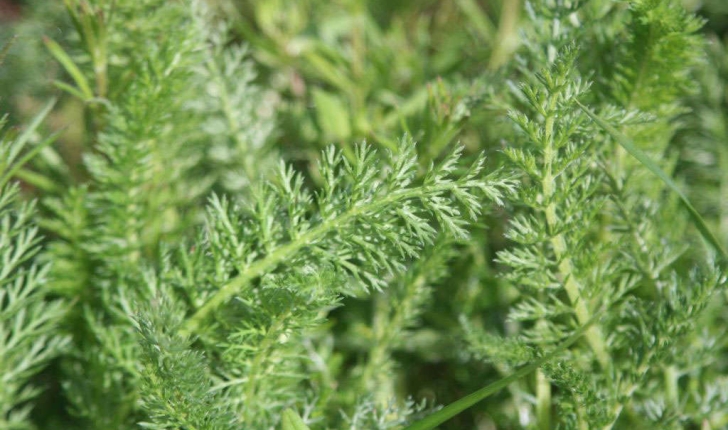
(352, 222)
(221, 347)
(190, 402)
(28, 321)
(238, 118)
(164, 127)
(266, 274)
(593, 238)
(205, 265)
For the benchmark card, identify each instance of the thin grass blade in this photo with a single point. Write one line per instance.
(637, 153)
(68, 64)
(23, 139)
(470, 400)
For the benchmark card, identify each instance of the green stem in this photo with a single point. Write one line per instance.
(390, 319)
(543, 400)
(372, 377)
(265, 346)
(507, 38)
(594, 335)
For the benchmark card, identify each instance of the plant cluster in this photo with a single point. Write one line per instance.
(278, 214)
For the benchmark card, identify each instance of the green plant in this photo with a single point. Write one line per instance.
(29, 324)
(539, 204)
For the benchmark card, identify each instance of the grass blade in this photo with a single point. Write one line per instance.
(69, 89)
(470, 400)
(23, 139)
(68, 64)
(637, 153)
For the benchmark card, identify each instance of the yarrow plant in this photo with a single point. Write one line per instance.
(354, 215)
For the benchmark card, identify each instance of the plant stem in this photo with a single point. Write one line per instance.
(594, 335)
(543, 400)
(507, 38)
(255, 372)
(389, 321)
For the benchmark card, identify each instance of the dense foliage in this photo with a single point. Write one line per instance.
(285, 214)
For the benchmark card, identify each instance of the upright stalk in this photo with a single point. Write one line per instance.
(594, 335)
